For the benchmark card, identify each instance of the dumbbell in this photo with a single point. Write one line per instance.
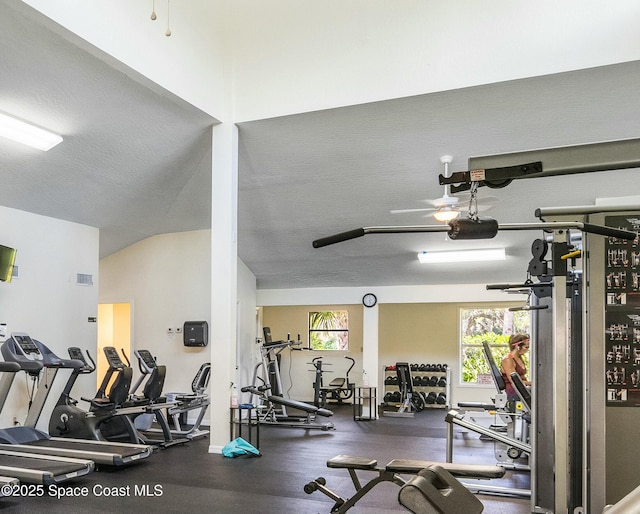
(422, 367)
(414, 367)
(387, 381)
(431, 398)
(433, 381)
(388, 397)
(442, 382)
(417, 381)
(396, 396)
(441, 399)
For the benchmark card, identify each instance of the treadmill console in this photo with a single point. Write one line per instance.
(25, 346)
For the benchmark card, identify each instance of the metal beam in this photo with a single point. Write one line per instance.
(565, 160)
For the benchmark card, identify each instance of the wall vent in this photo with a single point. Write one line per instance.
(83, 279)
(15, 273)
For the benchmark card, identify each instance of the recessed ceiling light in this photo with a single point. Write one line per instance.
(27, 134)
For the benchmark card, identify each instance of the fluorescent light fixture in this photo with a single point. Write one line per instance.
(446, 214)
(27, 134)
(487, 254)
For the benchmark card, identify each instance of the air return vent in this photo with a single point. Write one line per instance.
(82, 279)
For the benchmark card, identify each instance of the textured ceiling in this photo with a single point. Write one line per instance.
(311, 175)
(136, 162)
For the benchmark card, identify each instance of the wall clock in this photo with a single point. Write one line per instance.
(369, 300)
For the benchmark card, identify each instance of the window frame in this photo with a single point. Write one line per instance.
(502, 346)
(344, 313)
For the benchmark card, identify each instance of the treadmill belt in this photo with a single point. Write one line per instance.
(52, 467)
(123, 451)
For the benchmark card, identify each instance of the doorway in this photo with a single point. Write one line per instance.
(114, 329)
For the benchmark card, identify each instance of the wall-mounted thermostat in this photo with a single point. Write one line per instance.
(195, 333)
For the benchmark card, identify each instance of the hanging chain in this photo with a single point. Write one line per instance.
(473, 201)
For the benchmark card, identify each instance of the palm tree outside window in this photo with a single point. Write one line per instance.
(329, 330)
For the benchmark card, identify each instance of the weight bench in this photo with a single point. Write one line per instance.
(390, 473)
(334, 390)
(477, 406)
(271, 418)
(304, 407)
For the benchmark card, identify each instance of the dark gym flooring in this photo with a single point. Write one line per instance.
(186, 478)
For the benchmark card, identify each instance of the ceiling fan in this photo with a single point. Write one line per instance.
(447, 207)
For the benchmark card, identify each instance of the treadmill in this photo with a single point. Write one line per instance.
(20, 349)
(5, 481)
(32, 468)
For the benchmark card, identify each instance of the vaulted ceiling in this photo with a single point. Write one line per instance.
(136, 161)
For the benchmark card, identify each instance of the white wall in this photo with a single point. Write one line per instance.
(247, 355)
(292, 56)
(45, 300)
(387, 294)
(306, 56)
(189, 63)
(167, 280)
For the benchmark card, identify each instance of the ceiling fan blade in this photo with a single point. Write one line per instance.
(446, 201)
(404, 211)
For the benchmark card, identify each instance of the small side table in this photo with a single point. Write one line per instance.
(365, 403)
(250, 422)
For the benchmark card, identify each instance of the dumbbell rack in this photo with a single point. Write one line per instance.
(423, 376)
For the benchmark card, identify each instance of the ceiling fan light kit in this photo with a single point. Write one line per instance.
(447, 207)
(446, 214)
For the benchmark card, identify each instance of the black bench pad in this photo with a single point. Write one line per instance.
(347, 461)
(305, 407)
(477, 405)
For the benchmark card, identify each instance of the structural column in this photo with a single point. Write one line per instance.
(370, 345)
(224, 278)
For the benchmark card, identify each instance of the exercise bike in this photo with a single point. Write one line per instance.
(339, 389)
(178, 404)
(69, 420)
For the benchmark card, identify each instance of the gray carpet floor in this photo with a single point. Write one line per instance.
(186, 478)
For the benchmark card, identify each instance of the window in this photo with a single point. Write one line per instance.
(329, 330)
(491, 324)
